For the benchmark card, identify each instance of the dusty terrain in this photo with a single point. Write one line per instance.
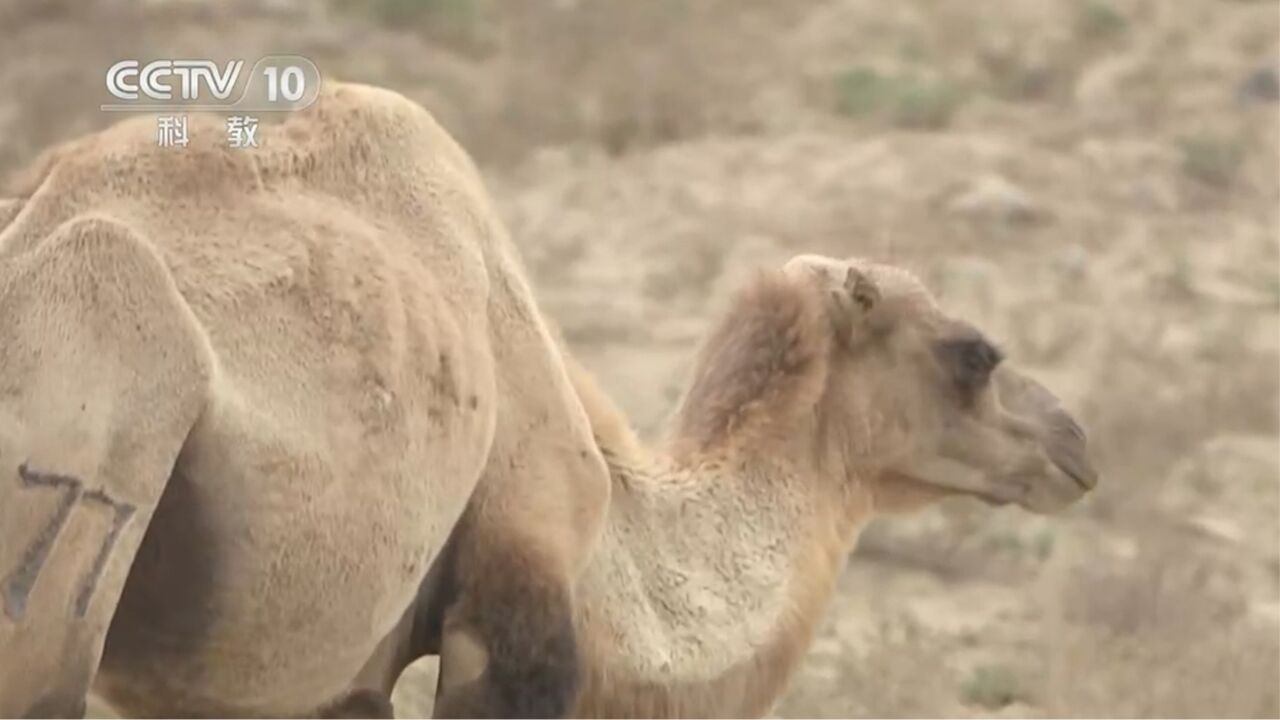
(1093, 181)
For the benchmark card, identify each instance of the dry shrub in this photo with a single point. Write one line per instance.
(1140, 427)
(993, 686)
(906, 101)
(900, 674)
(1165, 635)
(1213, 160)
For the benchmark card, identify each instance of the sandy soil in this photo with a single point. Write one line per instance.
(1094, 182)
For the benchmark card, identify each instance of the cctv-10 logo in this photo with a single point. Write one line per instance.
(277, 82)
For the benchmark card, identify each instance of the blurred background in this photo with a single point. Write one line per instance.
(1095, 182)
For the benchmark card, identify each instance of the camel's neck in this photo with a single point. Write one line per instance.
(706, 588)
(711, 574)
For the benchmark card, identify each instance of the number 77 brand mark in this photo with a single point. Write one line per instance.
(15, 588)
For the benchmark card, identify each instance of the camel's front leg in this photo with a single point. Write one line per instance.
(102, 374)
(507, 642)
(507, 646)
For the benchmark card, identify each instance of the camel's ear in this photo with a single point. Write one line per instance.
(853, 305)
(858, 289)
(852, 296)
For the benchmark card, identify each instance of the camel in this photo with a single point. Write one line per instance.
(323, 430)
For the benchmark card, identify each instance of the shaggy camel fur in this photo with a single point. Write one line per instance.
(245, 396)
(830, 392)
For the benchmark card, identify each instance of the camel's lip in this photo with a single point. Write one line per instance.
(1087, 480)
(1067, 448)
(990, 498)
(1076, 466)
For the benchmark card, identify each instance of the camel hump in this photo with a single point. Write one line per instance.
(103, 371)
(356, 140)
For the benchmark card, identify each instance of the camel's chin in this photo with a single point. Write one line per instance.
(1045, 496)
(991, 500)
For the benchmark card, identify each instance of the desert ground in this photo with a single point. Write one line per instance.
(1094, 182)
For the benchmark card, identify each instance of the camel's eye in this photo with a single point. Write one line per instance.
(969, 361)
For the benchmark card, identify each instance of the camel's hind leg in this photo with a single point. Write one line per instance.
(103, 372)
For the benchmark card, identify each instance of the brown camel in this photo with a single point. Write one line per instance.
(281, 421)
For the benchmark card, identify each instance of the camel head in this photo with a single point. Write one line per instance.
(926, 404)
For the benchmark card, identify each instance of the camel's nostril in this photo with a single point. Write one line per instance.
(1073, 427)
(1067, 447)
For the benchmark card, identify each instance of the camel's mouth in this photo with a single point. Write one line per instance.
(1066, 450)
(989, 498)
(1059, 483)
(1061, 458)
(1087, 479)
(1046, 493)
(1042, 477)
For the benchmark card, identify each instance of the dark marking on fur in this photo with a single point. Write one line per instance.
(121, 512)
(17, 585)
(445, 383)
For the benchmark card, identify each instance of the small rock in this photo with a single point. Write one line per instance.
(996, 198)
(1261, 85)
(1218, 527)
